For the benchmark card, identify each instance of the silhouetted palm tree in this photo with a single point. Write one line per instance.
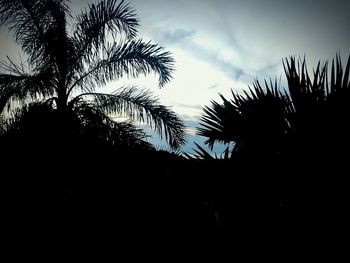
(290, 150)
(254, 122)
(320, 106)
(311, 113)
(40, 121)
(66, 64)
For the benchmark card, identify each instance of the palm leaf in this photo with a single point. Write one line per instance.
(99, 127)
(255, 119)
(130, 59)
(20, 88)
(33, 25)
(93, 25)
(216, 123)
(202, 154)
(142, 106)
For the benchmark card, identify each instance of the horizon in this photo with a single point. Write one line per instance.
(224, 45)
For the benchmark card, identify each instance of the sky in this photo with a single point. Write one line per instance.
(219, 45)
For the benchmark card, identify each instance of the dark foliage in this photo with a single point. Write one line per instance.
(66, 65)
(90, 188)
(286, 180)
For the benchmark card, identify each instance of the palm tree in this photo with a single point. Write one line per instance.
(253, 122)
(319, 108)
(311, 114)
(290, 146)
(67, 64)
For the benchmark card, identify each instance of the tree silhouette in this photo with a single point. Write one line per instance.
(289, 146)
(285, 179)
(319, 107)
(67, 64)
(310, 114)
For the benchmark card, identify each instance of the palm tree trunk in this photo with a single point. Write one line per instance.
(61, 103)
(62, 98)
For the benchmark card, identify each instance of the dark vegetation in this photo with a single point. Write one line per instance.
(76, 182)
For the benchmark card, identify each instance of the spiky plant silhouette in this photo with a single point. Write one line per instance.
(310, 114)
(290, 148)
(319, 107)
(66, 65)
(252, 121)
(202, 154)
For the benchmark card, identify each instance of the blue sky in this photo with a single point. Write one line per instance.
(221, 45)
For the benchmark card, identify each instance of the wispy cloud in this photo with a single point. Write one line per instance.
(269, 70)
(197, 106)
(178, 35)
(213, 86)
(184, 39)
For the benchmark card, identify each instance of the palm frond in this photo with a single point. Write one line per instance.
(24, 86)
(217, 123)
(129, 59)
(313, 97)
(303, 90)
(142, 106)
(86, 124)
(255, 119)
(339, 78)
(106, 17)
(99, 127)
(202, 154)
(32, 23)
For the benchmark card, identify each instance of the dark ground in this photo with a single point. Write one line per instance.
(151, 205)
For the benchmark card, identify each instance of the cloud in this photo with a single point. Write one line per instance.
(187, 39)
(269, 70)
(213, 86)
(189, 117)
(197, 106)
(212, 57)
(178, 35)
